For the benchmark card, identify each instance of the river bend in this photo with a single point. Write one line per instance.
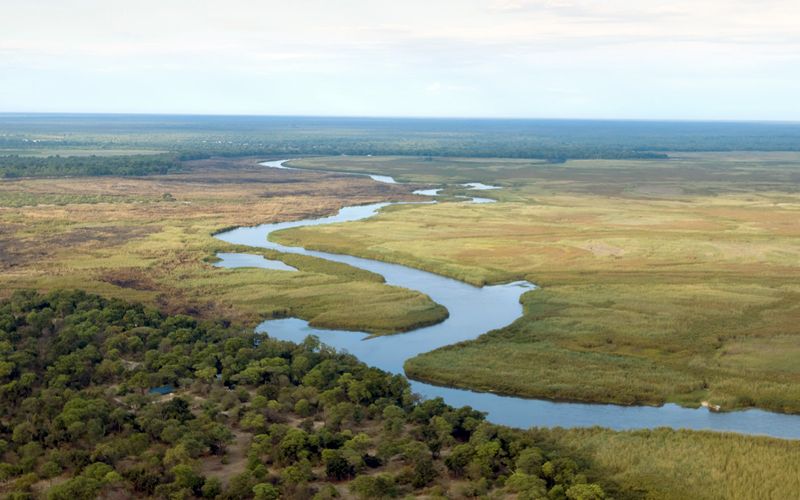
(473, 311)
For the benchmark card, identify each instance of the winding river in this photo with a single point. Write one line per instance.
(473, 311)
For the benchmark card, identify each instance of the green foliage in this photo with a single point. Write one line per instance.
(377, 486)
(60, 166)
(337, 467)
(85, 485)
(585, 492)
(530, 461)
(265, 491)
(302, 414)
(526, 485)
(424, 473)
(555, 140)
(211, 488)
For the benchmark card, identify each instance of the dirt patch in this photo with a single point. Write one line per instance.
(657, 191)
(224, 163)
(600, 249)
(134, 278)
(109, 235)
(41, 486)
(12, 251)
(18, 251)
(235, 460)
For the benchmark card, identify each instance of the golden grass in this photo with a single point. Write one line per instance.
(664, 285)
(141, 247)
(662, 281)
(663, 464)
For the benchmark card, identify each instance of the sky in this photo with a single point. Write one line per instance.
(626, 59)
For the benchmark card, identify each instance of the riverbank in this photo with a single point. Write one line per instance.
(123, 238)
(140, 247)
(474, 311)
(661, 282)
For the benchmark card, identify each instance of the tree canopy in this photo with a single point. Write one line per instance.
(250, 417)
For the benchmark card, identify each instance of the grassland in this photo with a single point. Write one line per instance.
(664, 464)
(661, 280)
(150, 239)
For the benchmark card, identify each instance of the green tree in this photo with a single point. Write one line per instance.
(424, 473)
(265, 491)
(459, 459)
(212, 487)
(293, 446)
(186, 477)
(337, 467)
(377, 486)
(530, 461)
(585, 492)
(526, 485)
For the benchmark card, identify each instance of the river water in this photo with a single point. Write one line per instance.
(473, 311)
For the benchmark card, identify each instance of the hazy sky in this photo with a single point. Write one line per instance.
(694, 59)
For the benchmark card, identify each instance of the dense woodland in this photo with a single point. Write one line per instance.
(553, 140)
(14, 166)
(79, 418)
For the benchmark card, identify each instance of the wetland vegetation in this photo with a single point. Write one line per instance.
(662, 280)
(151, 239)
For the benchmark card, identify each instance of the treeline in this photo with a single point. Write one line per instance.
(554, 140)
(29, 166)
(15, 166)
(487, 149)
(79, 417)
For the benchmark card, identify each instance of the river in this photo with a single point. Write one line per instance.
(473, 311)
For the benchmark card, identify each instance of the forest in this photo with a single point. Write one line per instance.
(14, 166)
(104, 397)
(193, 137)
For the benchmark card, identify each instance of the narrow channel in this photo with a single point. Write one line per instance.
(473, 311)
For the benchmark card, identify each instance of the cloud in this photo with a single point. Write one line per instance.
(438, 88)
(368, 31)
(482, 54)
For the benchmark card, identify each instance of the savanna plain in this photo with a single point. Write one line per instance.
(669, 277)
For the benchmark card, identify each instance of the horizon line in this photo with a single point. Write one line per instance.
(398, 117)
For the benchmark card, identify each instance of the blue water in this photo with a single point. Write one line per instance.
(280, 164)
(474, 311)
(428, 192)
(473, 199)
(480, 186)
(239, 260)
